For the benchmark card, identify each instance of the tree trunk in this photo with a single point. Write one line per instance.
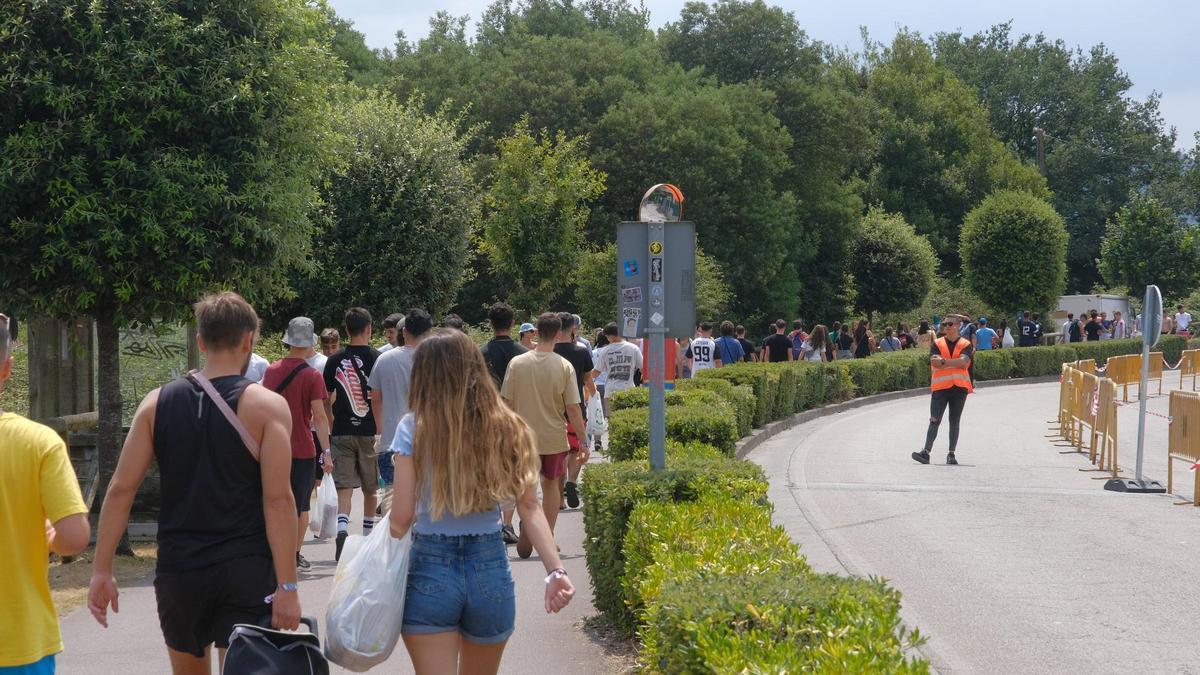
(109, 437)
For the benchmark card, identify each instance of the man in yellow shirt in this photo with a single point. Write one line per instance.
(41, 510)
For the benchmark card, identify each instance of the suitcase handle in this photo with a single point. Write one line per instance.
(308, 620)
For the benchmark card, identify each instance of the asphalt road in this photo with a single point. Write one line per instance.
(1015, 561)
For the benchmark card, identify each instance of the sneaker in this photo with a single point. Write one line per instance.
(339, 542)
(508, 535)
(524, 545)
(302, 563)
(922, 457)
(572, 495)
(950, 459)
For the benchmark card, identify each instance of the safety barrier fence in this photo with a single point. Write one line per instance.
(1184, 437)
(1189, 366)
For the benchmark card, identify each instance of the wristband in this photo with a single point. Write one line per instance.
(556, 574)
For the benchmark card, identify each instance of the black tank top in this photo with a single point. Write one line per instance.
(212, 503)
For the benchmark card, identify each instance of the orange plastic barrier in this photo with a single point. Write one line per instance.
(1189, 366)
(1184, 437)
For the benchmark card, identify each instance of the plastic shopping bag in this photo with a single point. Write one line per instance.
(366, 605)
(597, 426)
(324, 513)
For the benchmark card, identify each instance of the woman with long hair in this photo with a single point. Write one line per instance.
(460, 454)
(864, 342)
(924, 335)
(816, 345)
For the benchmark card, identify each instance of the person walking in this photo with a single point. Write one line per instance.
(845, 342)
(777, 348)
(391, 332)
(459, 453)
(498, 353)
(797, 336)
(330, 342)
(889, 343)
(816, 346)
(864, 341)
(1005, 335)
(1027, 331)
(729, 350)
(702, 352)
(41, 512)
(355, 462)
(617, 363)
(525, 336)
(749, 352)
(388, 383)
(304, 390)
(227, 522)
(1092, 328)
(541, 387)
(924, 335)
(985, 338)
(580, 358)
(1183, 321)
(1119, 330)
(950, 383)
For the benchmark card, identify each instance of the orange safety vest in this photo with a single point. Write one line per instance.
(945, 378)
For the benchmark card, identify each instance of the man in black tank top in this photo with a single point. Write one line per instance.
(227, 524)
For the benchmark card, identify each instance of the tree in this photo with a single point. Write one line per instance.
(595, 281)
(892, 265)
(1146, 243)
(395, 217)
(937, 157)
(150, 155)
(1014, 248)
(536, 209)
(1101, 143)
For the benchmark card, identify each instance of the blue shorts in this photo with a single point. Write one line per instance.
(460, 584)
(43, 666)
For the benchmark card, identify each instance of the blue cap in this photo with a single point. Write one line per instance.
(983, 320)
(526, 328)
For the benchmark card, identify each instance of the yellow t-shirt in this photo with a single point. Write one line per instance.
(36, 483)
(541, 385)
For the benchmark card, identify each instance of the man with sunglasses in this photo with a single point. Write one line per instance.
(950, 382)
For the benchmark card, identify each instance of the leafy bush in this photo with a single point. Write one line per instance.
(994, 364)
(777, 623)
(810, 386)
(785, 397)
(1172, 347)
(839, 386)
(610, 494)
(714, 424)
(741, 397)
(677, 451)
(869, 375)
(753, 375)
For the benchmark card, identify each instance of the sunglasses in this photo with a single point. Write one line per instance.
(948, 324)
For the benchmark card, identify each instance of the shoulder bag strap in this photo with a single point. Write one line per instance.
(227, 412)
(291, 376)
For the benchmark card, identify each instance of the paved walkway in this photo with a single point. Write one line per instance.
(132, 645)
(1015, 561)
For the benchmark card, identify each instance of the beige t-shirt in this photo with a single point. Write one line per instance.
(541, 385)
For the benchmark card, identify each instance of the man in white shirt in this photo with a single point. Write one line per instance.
(1182, 321)
(702, 353)
(617, 362)
(391, 330)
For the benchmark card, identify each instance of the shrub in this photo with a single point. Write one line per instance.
(610, 493)
(869, 375)
(677, 451)
(785, 398)
(810, 386)
(994, 364)
(1172, 347)
(741, 397)
(1101, 350)
(776, 623)
(639, 397)
(714, 424)
(753, 375)
(839, 386)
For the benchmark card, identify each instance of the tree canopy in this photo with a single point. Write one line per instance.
(1146, 243)
(892, 265)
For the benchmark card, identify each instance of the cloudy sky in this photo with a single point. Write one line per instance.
(1154, 39)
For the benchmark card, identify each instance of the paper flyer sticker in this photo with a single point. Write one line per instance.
(630, 317)
(631, 295)
(631, 268)
(656, 248)
(656, 270)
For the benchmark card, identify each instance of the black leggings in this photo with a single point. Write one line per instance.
(956, 398)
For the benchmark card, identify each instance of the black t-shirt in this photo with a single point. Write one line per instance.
(1092, 328)
(498, 352)
(1027, 333)
(581, 359)
(862, 346)
(968, 351)
(779, 345)
(845, 341)
(748, 349)
(346, 374)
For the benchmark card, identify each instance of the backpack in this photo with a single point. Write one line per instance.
(1073, 331)
(797, 343)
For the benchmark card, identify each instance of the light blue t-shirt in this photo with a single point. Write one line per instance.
(985, 335)
(483, 522)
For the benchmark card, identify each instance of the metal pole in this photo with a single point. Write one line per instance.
(1040, 134)
(658, 405)
(1141, 439)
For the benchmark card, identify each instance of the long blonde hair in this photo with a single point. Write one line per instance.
(468, 446)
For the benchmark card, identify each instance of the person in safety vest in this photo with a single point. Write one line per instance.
(950, 381)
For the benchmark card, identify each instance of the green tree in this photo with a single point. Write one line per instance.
(536, 208)
(151, 154)
(595, 281)
(1146, 243)
(1101, 143)
(1014, 248)
(892, 265)
(396, 214)
(937, 157)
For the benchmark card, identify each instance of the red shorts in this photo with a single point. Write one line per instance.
(573, 439)
(554, 466)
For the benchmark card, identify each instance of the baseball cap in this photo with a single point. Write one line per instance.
(300, 333)
(983, 320)
(526, 328)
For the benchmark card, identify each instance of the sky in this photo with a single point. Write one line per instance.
(1154, 39)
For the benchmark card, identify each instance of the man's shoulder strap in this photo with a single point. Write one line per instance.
(227, 412)
(291, 376)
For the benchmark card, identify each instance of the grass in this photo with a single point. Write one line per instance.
(15, 397)
(69, 581)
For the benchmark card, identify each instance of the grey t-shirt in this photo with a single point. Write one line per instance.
(390, 377)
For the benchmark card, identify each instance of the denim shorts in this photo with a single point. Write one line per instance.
(461, 584)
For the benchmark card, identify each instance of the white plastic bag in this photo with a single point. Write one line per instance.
(324, 512)
(597, 426)
(366, 605)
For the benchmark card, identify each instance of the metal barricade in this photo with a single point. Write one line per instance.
(1189, 366)
(1184, 437)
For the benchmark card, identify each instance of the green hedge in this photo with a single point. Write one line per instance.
(741, 397)
(779, 623)
(753, 375)
(714, 424)
(994, 364)
(610, 494)
(677, 450)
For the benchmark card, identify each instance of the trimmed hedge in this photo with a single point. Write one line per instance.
(610, 494)
(753, 375)
(714, 424)
(994, 364)
(677, 450)
(741, 397)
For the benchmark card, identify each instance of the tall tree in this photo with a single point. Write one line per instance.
(396, 214)
(1100, 143)
(937, 157)
(892, 265)
(151, 153)
(1146, 243)
(536, 207)
(1014, 248)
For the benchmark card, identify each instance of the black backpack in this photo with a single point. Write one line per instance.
(254, 650)
(1073, 331)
